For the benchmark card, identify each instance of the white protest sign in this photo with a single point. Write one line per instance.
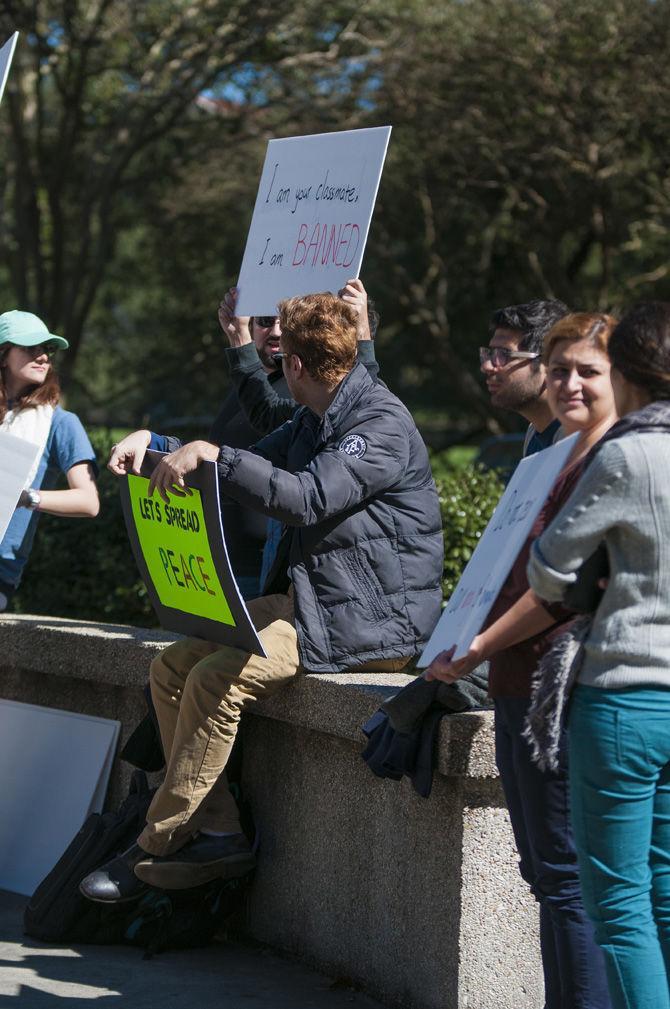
(17, 458)
(501, 541)
(54, 771)
(6, 56)
(312, 216)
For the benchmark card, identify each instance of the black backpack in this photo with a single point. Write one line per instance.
(157, 920)
(164, 919)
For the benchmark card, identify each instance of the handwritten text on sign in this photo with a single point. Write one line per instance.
(312, 216)
(492, 561)
(173, 540)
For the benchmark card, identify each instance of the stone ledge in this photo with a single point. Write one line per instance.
(352, 869)
(333, 703)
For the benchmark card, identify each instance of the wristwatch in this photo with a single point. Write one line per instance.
(34, 499)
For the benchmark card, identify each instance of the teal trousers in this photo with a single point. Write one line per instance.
(619, 746)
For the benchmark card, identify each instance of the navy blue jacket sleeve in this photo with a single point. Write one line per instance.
(333, 482)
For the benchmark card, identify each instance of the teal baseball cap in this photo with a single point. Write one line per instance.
(24, 329)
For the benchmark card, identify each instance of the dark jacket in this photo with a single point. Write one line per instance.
(364, 548)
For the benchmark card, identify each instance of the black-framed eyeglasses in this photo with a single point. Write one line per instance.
(278, 358)
(500, 356)
(266, 321)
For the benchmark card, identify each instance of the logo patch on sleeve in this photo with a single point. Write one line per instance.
(354, 445)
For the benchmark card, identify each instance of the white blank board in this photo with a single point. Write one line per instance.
(54, 770)
(6, 54)
(17, 458)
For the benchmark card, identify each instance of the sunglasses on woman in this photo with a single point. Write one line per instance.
(39, 349)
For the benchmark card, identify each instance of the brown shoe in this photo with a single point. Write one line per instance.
(201, 860)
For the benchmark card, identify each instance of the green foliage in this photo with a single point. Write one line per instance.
(468, 497)
(85, 569)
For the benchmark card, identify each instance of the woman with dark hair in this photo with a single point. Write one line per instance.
(619, 716)
(29, 394)
(519, 632)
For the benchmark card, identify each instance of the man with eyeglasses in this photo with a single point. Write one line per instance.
(512, 368)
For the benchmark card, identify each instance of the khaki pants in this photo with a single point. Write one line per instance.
(199, 690)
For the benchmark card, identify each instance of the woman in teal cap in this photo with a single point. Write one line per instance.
(29, 395)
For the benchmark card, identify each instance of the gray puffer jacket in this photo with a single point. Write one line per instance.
(364, 547)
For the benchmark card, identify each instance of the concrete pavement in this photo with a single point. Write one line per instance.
(34, 975)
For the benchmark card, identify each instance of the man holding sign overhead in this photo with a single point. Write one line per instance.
(355, 585)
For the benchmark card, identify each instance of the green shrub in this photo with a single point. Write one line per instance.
(83, 568)
(468, 497)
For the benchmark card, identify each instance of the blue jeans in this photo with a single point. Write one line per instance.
(539, 809)
(620, 787)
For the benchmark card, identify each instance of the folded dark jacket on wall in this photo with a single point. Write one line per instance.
(402, 734)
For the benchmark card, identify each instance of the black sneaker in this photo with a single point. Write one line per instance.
(115, 881)
(201, 860)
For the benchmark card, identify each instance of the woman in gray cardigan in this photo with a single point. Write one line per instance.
(619, 717)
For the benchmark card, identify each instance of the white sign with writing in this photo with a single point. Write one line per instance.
(17, 458)
(312, 215)
(54, 771)
(501, 541)
(6, 55)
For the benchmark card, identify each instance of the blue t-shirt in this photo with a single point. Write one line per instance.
(67, 445)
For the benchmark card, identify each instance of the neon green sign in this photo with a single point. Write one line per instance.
(173, 540)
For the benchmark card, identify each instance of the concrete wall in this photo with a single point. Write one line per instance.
(416, 900)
